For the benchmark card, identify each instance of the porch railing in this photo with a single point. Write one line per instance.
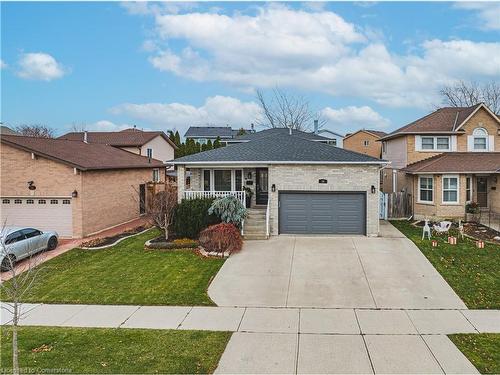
(189, 194)
(268, 215)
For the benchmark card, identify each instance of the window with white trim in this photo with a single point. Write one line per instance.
(149, 153)
(431, 143)
(384, 146)
(332, 142)
(426, 189)
(480, 139)
(450, 189)
(222, 179)
(156, 175)
(366, 143)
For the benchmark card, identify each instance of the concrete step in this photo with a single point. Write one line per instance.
(251, 237)
(249, 226)
(256, 214)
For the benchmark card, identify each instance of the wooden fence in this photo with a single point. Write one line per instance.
(395, 205)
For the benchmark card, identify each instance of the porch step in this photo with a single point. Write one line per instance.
(254, 237)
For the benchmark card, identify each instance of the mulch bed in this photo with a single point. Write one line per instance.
(97, 242)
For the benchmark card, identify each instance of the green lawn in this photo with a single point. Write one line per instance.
(98, 350)
(473, 273)
(483, 350)
(126, 274)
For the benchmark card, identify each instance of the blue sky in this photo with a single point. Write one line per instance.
(171, 65)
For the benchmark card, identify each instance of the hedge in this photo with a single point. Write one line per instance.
(191, 217)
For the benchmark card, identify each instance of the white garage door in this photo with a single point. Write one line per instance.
(44, 213)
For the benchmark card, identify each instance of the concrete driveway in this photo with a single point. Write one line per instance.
(335, 272)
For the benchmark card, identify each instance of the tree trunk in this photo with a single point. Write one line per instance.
(15, 352)
(166, 228)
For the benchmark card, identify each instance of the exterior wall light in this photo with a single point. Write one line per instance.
(74, 194)
(373, 189)
(273, 188)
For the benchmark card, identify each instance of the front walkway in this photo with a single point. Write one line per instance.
(333, 272)
(287, 340)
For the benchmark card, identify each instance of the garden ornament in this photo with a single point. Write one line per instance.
(427, 230)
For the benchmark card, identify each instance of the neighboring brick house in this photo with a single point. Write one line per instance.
(299, 184)
(365, 141)
(446, 159)
(73, 187)
(152, 144)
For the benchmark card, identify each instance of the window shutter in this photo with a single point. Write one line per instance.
(491, 143)
(418, 143)
(453, 144)
(470, 143)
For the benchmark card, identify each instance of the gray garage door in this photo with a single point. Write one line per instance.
(322, 213)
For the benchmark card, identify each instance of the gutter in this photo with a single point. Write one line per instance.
(221, 162)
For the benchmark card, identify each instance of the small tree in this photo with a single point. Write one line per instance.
(163, 208)
(217, 143)
(36, 130)
(229, 209)
(18, 282)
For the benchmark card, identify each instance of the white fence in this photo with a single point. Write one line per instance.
(214, 194)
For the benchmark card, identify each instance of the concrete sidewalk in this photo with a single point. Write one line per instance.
(262, 320)
(289, 340)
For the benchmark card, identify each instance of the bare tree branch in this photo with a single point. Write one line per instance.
(283, 110)
(36, 130)
(466, 94)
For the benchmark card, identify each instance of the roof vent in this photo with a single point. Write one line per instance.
(316, 126)
(290, 131)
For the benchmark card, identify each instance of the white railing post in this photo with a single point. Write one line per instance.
(268, 211)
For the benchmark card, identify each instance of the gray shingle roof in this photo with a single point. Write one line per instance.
(209, 132)
(278, 148)
(281, 132)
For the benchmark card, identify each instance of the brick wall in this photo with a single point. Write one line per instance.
(111, 197)
(340, 178)
(51, 178)
(356, 143)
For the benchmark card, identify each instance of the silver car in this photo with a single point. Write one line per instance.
(21, 242)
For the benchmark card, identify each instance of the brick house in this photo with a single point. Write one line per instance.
(446, 159)
(365, 142)
(73, 187)
(298, 184)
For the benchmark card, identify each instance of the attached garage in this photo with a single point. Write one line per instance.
(322, 213)
(44, 213)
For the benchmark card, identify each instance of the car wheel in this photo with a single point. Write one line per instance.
(52, 244)
(8, 262)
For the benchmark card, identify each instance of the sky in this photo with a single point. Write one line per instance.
(111, 65)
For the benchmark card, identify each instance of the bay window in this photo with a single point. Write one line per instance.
(426, 189)
(450, 189)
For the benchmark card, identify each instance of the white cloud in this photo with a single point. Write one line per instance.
(488, 13)
(352, 118)
(3, 65)
(217, 110)
(40, 66)
(107, 126)
(317, 51)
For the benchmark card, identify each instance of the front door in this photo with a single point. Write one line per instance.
(261, 186)
(482, 191)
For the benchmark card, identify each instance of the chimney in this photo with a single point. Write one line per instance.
(252, 127)
(85, 136)
(316, 126)
(290, 131)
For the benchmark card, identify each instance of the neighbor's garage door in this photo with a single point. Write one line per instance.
(40, 213)
(322, 213)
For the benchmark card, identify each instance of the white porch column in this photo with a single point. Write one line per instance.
(181, 181)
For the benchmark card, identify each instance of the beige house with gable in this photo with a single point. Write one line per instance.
(445, 160)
